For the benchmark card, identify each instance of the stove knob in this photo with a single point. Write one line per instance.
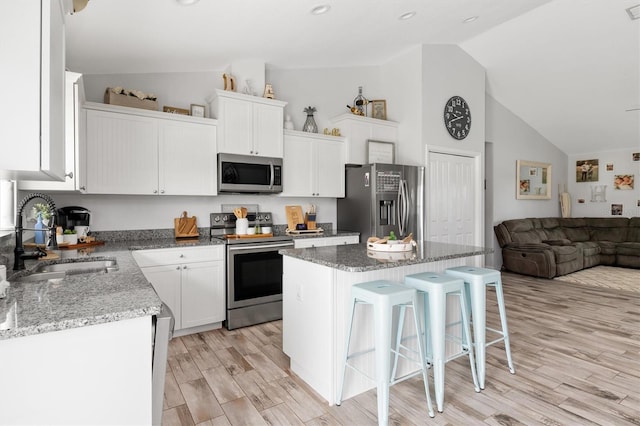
(216, 218)
(224, 218)
(266, 217)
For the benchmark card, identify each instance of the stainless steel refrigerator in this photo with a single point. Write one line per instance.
(380, 198)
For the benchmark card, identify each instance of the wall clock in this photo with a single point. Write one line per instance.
(457, 117)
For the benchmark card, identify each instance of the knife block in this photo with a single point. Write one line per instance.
(310, 220)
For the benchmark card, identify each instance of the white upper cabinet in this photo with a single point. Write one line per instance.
(74, 123)
(32, 105)
(313, 165)
(357, 130)
(130, 151)
(249, 125)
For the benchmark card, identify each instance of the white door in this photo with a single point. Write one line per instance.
(453, 213)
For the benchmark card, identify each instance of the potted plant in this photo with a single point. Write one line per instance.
(43, 210)
(70, 236)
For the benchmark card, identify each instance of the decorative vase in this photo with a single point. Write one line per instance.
(360, 103)
(310, 124)
(40, 234)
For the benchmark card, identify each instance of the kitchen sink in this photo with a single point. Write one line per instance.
(60, 270)
(79, 267)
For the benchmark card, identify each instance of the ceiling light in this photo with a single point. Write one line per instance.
(321, 9)
(187, 2)
(469, 19)
(634, 12)
(407, 15)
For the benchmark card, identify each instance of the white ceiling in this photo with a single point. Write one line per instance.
(569, 68)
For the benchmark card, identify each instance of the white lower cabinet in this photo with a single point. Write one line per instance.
(325, 241)
(313, 165)
(190, 280)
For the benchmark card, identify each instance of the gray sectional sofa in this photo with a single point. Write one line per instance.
(550, 247)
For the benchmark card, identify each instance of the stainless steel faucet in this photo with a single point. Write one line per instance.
(19, 254)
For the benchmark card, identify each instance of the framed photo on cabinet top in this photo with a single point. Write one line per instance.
(197, 110)
(379, 109)
(380, 152)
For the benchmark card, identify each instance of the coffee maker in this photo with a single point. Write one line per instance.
(72, 216)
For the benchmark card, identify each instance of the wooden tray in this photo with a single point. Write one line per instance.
(235, 236)
(65, 246)
(80, 245)
(304, 231)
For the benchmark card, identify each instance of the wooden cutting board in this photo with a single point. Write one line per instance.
(294, 216)
(185, 227)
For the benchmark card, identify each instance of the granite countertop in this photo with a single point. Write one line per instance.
(358, 258)
(84, 299)
(93, 298)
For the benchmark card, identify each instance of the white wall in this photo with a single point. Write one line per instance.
(329, 90)
(512, 139)
(172, 89)
(623, 164)
(401, 79)
(448, 71)
(123, 212)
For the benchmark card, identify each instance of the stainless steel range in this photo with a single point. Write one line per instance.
(254, 270)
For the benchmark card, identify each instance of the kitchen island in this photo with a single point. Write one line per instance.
(316, 303)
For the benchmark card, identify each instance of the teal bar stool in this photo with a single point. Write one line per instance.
(384, 296)
(476, 281)
(436, 287)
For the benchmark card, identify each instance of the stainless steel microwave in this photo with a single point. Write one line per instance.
(248, 173)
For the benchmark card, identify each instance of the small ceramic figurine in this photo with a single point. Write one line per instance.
(288, 124)
(268, 92)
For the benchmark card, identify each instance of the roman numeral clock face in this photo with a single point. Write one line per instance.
(457, 117)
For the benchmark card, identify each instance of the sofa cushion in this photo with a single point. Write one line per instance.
(565, 253)
(608, 228)
(629, 249)
(589, 248)
(575, 229)
(633, 234)
(607, 247)
(523, 231)
(552, 228)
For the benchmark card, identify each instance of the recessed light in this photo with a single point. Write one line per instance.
(187, 2)
(321, 9)
(469, 19)
(407, 15)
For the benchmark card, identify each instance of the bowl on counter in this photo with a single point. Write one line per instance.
(266, 230)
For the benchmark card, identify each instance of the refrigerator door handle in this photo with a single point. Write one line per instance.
(402, 207)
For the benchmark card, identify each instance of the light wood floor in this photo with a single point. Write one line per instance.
(576, 351)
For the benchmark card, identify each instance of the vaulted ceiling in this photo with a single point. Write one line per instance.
(569, 68)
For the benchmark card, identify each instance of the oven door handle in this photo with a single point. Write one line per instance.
(259, 246)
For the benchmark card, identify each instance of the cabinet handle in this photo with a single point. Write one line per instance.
(162, 191)
(184, 267)
(182, 255)
(69, 175)
(155, 191)
(251, 152)
(256, 152)
(177, 268)
(83, 188)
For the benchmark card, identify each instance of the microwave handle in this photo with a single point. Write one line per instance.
(272, 175)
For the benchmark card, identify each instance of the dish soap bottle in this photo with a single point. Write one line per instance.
(40, 234)
(392, 236)
(258, 229)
